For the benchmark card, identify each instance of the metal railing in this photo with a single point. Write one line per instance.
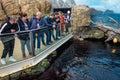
(38, 55)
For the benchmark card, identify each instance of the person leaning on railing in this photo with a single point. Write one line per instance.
(35, 24)
(9, 26)
(57, 21)
(24, 37)
(48, 20)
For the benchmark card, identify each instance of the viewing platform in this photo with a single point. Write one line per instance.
(39, 55)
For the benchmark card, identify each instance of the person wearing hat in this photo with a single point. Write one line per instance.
(9, 26)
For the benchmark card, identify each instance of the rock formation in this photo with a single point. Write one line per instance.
(10, 7)
(70, 3)
(109, 11)
(80, 16)
(62, 4)
(95, 12)
(7, 8)
(92, 33)
(29, 7)
(80, 20)
(54, 3)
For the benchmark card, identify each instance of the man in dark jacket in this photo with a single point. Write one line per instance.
(49, 22)
(35, 23)
(8, 40)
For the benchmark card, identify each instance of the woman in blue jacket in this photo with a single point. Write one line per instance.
(24, 37)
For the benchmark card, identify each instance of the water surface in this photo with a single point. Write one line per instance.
(89, 60)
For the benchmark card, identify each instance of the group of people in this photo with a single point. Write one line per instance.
(22, 25)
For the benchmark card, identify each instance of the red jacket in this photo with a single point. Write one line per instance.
(62, 20)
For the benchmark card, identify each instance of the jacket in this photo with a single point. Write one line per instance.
(67, 18)
(62, 20)
(34, 21)
(48, 22)
(6, 28)
(24, 35)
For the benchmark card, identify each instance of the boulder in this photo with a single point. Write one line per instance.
(1, 13)
(29, 7)
(70, 3)
(62, 3)
(13, 7)
(34, 6)
(93, 33)
(45, 6)
(80, 16)
(54, 3)
(7, 8)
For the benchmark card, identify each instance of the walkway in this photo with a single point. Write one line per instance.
(29, 61)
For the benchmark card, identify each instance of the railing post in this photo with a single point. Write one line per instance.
(31, 42)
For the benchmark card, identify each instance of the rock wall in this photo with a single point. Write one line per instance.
(10, 7)
(80, 16)
(62, 3)
(34, 6)
(7, 8)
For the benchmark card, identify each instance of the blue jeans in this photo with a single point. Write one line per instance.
(57, 31)
(42, 37)
(51, 32)
(47, 36)
(38, 39)
(23, 43)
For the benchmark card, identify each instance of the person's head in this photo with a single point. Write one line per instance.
(12, 19)
(56, 14)
(38, 15)
(52, 15)
(24, 16)
(60, 13)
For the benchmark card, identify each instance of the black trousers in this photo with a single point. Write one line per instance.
(67, 26)
(8, 48)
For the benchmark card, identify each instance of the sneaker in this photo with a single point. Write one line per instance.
(12, 59)
(59, 37)
(24, 55)
(44, 44)
(37, 49)
(30, 54)
(3, 61)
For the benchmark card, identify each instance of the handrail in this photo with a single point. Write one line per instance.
(23, 31)
(27, 63)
